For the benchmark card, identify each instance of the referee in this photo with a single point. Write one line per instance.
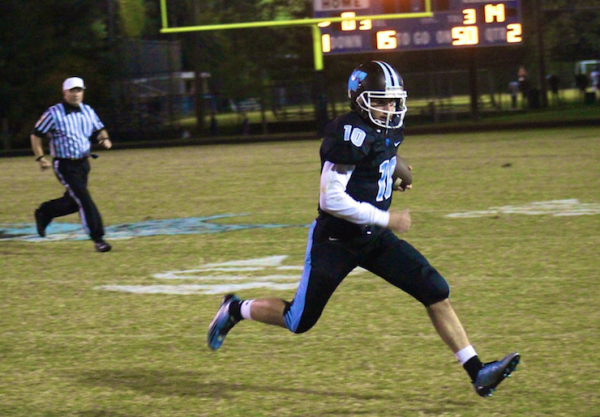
(70, 126)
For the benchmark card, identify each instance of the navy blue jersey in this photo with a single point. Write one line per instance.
(350, 140)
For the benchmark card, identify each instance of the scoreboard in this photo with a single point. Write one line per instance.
(454, 24)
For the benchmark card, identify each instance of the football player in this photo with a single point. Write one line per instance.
(355, 227)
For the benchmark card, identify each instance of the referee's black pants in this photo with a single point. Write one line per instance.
(73, 174)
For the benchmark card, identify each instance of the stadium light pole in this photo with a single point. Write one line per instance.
(198, 83)
(541, 53)
(110, 10)
(473, 84)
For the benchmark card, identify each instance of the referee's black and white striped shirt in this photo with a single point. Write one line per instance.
(69, 129)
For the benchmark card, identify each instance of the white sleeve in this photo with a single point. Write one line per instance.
(334, 200)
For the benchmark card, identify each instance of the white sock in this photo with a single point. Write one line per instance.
(245, 309)
(465, 354)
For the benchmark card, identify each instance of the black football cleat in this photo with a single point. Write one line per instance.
(102, 246)
(493, 373)
(41, 222)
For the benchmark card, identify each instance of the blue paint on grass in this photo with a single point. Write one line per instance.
(189, 226)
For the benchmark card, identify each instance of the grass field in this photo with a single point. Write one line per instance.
(524, 276)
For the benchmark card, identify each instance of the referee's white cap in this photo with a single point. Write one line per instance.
(73, 82)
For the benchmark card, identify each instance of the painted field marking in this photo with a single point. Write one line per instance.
(225, 277)
(556, 208)
(202, 225)
(187, 226)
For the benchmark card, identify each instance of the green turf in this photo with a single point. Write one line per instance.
(519, 282)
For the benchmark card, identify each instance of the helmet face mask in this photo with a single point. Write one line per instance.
(371, 89)
(373, 104)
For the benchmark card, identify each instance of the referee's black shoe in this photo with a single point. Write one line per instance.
(102, 246)
(41, 222)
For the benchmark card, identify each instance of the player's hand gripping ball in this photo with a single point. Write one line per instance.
(402, 175)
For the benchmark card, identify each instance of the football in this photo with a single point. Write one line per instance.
(402, 174)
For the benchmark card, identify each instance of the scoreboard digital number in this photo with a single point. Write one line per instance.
(455, 24)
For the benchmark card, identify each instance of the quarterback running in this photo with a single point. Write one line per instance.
(360, 170)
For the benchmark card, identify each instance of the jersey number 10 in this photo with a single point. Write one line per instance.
(386, 169)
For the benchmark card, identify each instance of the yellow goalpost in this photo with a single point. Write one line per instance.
(312, 22)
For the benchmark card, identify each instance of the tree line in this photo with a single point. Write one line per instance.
(44, 41)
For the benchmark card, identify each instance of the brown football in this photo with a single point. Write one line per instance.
(402, 172)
